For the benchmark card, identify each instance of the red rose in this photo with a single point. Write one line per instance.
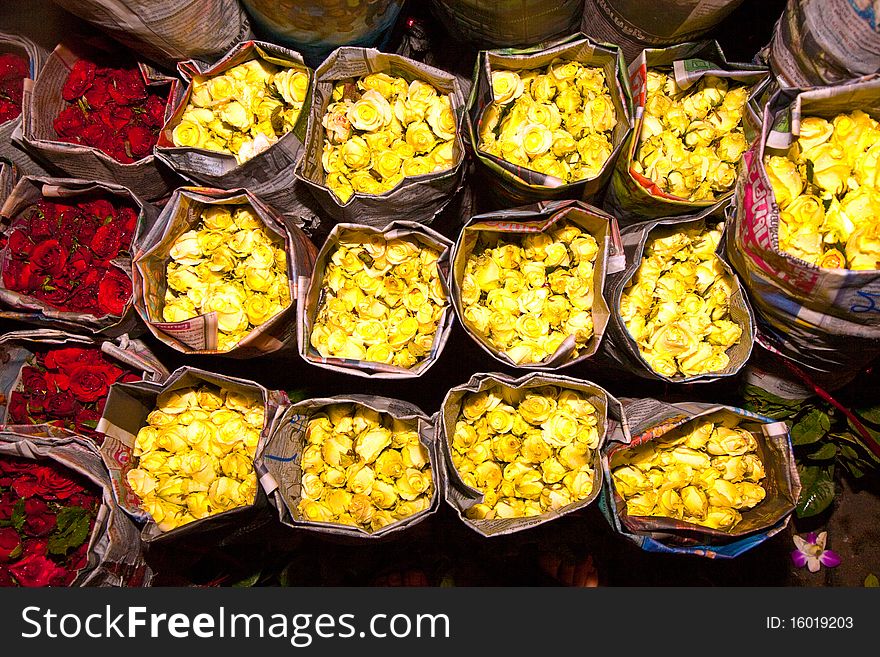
(25, 485)
(37, 546)
(61, 404)
(70, 122)
(9, 110)
(40, 226)
(154, 117)
(130, 377)
(36, 571)
(128, 218)
(5, 577)
(21, 276)
(55, 484)
(33, 380)
(98, 94)
(57, 380)
(89, 383)
(100, 208)
(127, 86)
(55, 292)
(79, 557)
(13, 67)
(107, 241)
(79, 263)
(97, 135)
(9, 543)
(87, 421)
(140, 141)
(66, 358)
(114, 292)
(80, 78)
(20, 245)
(50, 257)
(83, 300)
(115, 117)
(39, 519)
(7, 503)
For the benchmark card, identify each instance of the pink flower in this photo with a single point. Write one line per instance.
(811, 552)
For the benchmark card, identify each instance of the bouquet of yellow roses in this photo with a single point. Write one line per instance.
(353, 465)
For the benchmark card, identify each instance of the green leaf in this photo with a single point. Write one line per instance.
(71, 531)
(871, 414)
(817, 492)
(297, 395)
(810, 428)
(827, 451)
(18, 515)
(872, 582)
(249, 581)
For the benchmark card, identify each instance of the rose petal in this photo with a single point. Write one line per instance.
(830, 559)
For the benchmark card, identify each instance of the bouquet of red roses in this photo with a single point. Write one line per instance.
(66, 387)
(13, 71)
(47, 513)
(110, 109)
(62, 254)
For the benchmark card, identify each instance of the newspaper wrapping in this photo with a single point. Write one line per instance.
(314, 297)
(648, 420)
(17, 348)
(169, 31)
(502, 23)
(538, 218)
(824, 42)
(269, 174)
(620, 348)
(43, 102)
(8, 177)
(418, 199)
(279, 462)
(15, 305)
(633, 197)
(611, 420)
(639, 24)
(125, 413)
(317, 27)
(115, 558)
(826, 320)
(198, 335)
(512, 184)
(35, 56)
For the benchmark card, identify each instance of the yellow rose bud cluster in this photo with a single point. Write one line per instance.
(692, 139)
(828, 191)
(529, 451)
(705, 475)
(677, 304)
(195, 456)
(363, 468)
(526, 294)
(557, 121)
(244, 110)
(382, 129)
(382, 301)
(229, 264)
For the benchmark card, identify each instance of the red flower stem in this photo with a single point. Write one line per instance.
(869, 441)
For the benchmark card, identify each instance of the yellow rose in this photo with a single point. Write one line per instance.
(506, 86)
(863, 248)
(560, 429)
(420, 137)
(189, 134)
(293, 85)
(784, 179)
(371, 113)
(356, 153)
(829, 166)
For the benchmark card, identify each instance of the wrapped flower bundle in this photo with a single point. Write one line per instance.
(244, 110)
(705, 474)
(677, 305)
(380, 128)
(363, 468)
(526, 294)
(194, 458)
(828, 194)
(13, 70)
(47, 515)
(528, 451)
(382, 298)
(692, 139)
(557, 121)
(228, 264)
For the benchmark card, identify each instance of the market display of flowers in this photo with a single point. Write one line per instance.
(382, 301)
(380, 129)
(557, 121)
(194, 458)
(526, 294)
(111, 109)
(677, 304)
(827, 190)
(63, 255)
(705, 474)
(363, 468)
(692, 139)
(47, 513)
(13, 70)
(244, 110)
(228, 264)
(527, 451)
(66, 387)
